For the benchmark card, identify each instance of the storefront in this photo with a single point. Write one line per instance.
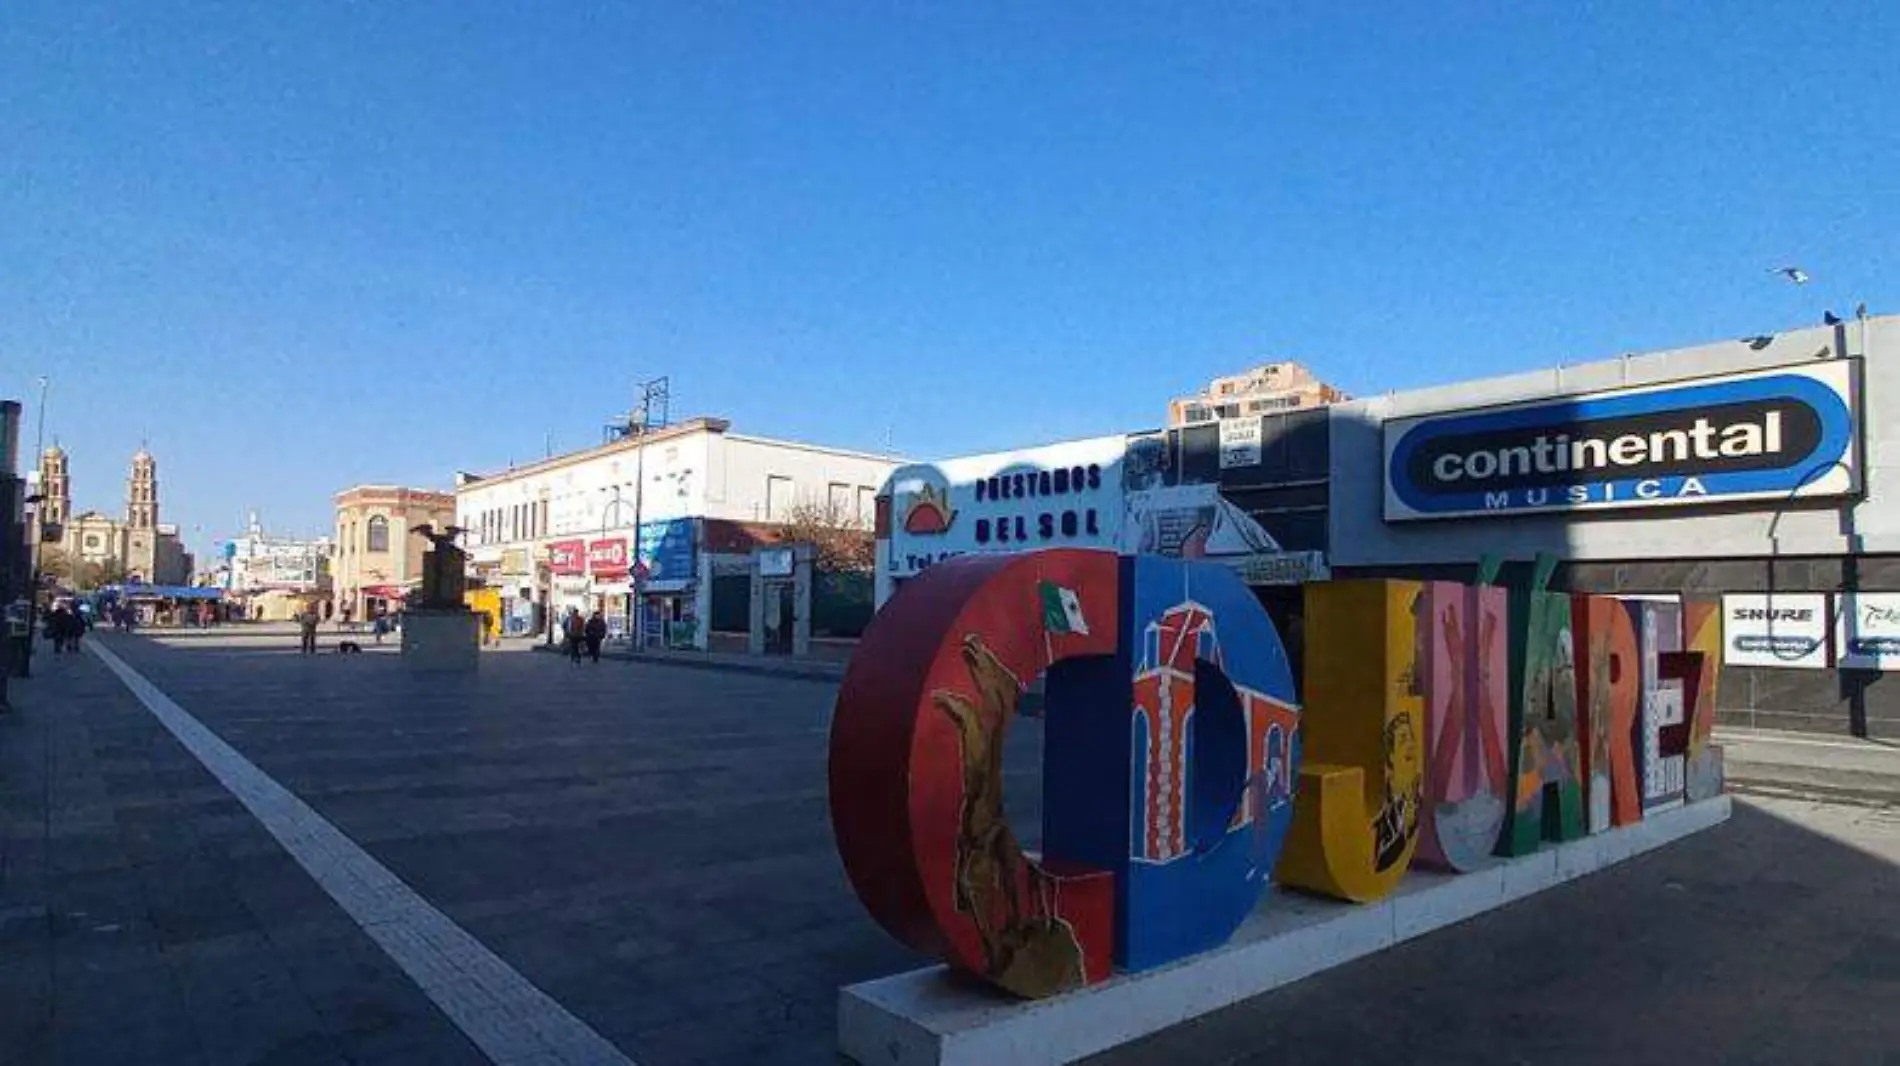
(567, 586)
(1749, 475)
(382, 600)
(517, 582)
(669, 585)
(610, 588)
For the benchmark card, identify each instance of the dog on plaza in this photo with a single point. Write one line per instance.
(348, 647)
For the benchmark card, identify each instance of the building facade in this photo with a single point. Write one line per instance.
(377, 560)
(665, 507)
(1271, 388)
(1756, 479)
(1763, 474)
(259, 562)
(138, 549)
(1187, 492)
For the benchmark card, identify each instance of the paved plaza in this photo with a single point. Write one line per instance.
(641, 852)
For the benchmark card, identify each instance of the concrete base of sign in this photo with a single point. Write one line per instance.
(933, 1016)
(440, 642)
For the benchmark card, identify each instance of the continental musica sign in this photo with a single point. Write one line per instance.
(1778, 434)
(1441, 724)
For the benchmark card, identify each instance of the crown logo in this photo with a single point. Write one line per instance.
(929, 510)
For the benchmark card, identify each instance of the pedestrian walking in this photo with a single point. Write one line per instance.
(58, 626)
(595, 632)
(575, 631)
(307, 631)
(380, 627)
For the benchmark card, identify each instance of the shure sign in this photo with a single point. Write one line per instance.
(1770, 434)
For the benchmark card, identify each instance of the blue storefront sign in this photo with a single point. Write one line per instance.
(1779, 434)
(667, 550)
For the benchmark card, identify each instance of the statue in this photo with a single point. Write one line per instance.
(444, 569)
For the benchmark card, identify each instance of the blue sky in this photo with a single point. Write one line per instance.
(303, 245)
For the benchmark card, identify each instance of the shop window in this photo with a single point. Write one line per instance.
(378, 534)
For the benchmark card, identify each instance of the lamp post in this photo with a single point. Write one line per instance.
(607, 515)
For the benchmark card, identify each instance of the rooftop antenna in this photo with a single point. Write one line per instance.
(650, 412)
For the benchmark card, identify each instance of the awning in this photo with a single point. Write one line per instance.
(387, 592)
(170, 592)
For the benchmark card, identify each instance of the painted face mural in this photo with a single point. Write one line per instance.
(1356, 823)
(1441, 723)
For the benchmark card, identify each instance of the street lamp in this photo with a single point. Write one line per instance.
(632, 621)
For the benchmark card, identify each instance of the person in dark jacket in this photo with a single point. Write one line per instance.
(58, 626)
(574, 629)
(596, 632)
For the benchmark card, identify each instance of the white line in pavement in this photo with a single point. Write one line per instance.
(513, 1022)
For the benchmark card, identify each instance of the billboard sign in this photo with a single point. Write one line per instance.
(1239, 442)
(1781, 629)
(1059, 495)
(1867, 631)
(1777, 434)
(667, 554)
(607, 558)
(567, 558)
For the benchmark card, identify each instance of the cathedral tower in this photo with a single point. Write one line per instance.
(56, 486)
(141, 495)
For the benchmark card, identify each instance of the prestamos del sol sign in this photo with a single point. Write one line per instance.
(1773, 434)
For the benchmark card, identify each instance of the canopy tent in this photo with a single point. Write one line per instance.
(164, 592)
(387, 592)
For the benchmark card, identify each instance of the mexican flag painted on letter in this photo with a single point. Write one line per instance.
(1062, 610)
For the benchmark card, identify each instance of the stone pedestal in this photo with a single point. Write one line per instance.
(441, 641)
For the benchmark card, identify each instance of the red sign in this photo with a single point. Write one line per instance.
(607, 558)
(567, 557)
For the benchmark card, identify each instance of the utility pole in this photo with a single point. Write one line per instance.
(657, 391)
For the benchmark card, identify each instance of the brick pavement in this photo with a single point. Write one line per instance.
(649, 846)
(145, 917)
(1772, 939)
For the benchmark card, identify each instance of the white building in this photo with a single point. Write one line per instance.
(257, 562)
(562, 532)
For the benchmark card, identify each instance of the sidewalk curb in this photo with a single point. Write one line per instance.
(795, 670)
(1818, 778)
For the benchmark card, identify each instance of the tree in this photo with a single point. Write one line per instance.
(55, 565)
(98, 575)
(840, 540)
